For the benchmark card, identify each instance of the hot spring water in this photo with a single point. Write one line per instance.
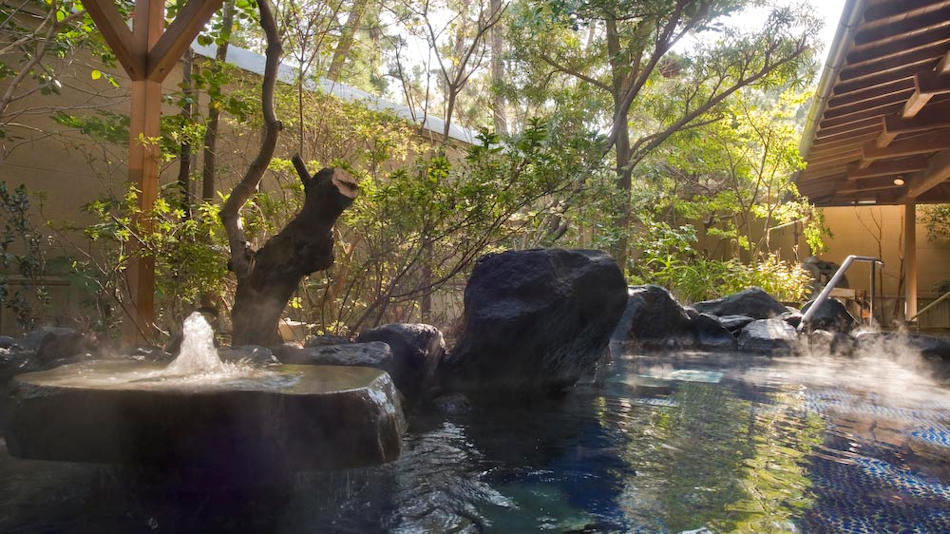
(681, 442)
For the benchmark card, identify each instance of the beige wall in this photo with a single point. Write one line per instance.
(878, 231)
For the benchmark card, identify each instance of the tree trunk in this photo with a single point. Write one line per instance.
(184, 157)
(619, 70)
(499, 116)
(347, 37)
(266, 279)
(304, 246)
(211, 132)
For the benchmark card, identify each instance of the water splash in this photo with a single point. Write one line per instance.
(197, 354)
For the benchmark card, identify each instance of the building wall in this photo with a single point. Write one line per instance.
(878, 231)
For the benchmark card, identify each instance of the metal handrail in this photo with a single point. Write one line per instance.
(823, 296)
(929, 306)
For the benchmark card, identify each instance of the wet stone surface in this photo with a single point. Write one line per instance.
(285, 418)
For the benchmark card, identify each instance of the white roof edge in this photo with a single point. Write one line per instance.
(253, 62)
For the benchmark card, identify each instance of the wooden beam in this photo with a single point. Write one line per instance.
(826, 145)
(835, 157)
(179, 36)
(898, 8)
(117, 35)
(932, 52)
(910, 258)
(944, 66)
(926, 86)
(888, 48)
(847, 131)
(866, 105)
(888, 168)
(937, 117)
(861, 84)
(875, 189)
(902, 25)
(863, 95)
(908, 147)
(144, 158)
(875, 113)
(937, 172)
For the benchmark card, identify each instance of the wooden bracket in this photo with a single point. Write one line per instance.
(141, 59)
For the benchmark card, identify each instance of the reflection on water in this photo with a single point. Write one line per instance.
(659, 444)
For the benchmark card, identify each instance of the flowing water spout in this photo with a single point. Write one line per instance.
(197, 354)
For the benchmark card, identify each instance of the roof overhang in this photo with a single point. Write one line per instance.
(878, 131)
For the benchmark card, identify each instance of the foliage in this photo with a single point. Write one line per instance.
(707, 143)
(669, 258)
(445, 214)
(21, 255)
(190, 256)
(937, 219)
(39, 45)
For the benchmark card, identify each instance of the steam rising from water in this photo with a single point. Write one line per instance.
(887, 368)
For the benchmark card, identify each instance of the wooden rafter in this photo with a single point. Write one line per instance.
(899, 8)
(927, 85)
(907, 57)
(826, 145)
(935, 174)
(908, 147)
(860, 84)
(889, 48)
(875, 112)
(887, 168)
(864, 95)
(847, 131)
(902, 24)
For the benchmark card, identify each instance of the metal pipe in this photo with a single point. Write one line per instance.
(931, 305)
(823, 296)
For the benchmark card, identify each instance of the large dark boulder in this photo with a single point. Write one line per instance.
(768, 336)
(752, 302)
(710, 334)
(535, 320)
(417, 350)
(14, 360)
(831, 315)
(654, 320)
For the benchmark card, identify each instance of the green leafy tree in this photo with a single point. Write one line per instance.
(623, 52)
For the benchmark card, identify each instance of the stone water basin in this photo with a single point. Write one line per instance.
(280, 419)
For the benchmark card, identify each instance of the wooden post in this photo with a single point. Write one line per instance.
(147, 54)
(144, 131)
(910, 258)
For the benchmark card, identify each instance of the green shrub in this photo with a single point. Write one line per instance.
(21, 256)
(669, 258)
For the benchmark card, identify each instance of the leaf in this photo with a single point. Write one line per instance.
(96, 74)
